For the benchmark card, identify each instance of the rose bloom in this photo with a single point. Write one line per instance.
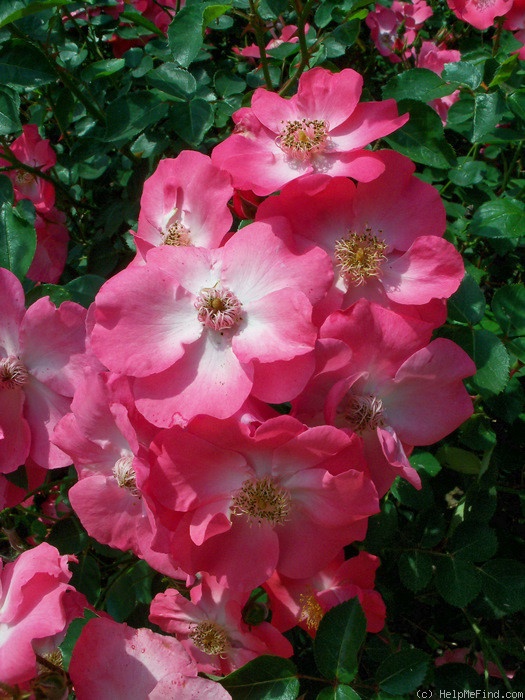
(288, 35)
(474, 659)
(304, 602)
(31, 149)
(242, 500)
(211, 627)
(112, 661)
(434, 58)
(389, 385)
(323, 128)
(385, 238)
(515, 22)
(42, 360)
(394, 29)
(200, 330)
(52, 239)
(173, 210)
(36, 606)
(480, 13)
(390, 36)
(10, 495)
(104, 436)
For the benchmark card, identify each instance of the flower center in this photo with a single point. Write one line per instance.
(218, 308)
(54, 657)
(210, 638)
(360, 256)
(262, 500)
(13, 374)
(177, 234)
(302, 138)
(363, 412)
(311, 611)
(386, 40)
(125, 475)
(23, 177)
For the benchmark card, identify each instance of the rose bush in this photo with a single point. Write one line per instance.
(261, 348)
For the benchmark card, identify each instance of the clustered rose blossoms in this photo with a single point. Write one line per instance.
(327, 303)
(394, 31)
(27, 154)
(158, 14)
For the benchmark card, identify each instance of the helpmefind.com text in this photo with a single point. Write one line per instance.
(470, 694)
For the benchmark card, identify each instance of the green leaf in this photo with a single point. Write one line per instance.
(492, 362)
(477, 433)
(9, 111)
(467, 172)
(451, 677)
(139, 19)
(172, 80)
(473, 541)
(459, 460)
(191, 120)
(101, 69)
(212, 13)
(467, 305)
(86, 577)
(516, 102)
(408, 495)
(341, 38)
(416, 84)
(338, 640)
(503, 583)
(508, 305)
(340, 692)
(17, 231)
(504, 72)
(463, 73)
(480, 503)
(15, 9)
(72, 635)
(23, 66)
(142, 576)
(264, 678)
(128, 589)
(415, 569)
(403, 672)
(83, 289)
(271, 9)
(457, 581)
(499, 218)
(72, 55)
(426, 462)
(185, 34)
(491, 358)
(130, 114)
(488, 110)
(431, 527)
(68, 536)
(510, 403)
(382, 528)
(323, 14)
(55, 292)
(517, 348)
(422, 138)
(228, 84)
